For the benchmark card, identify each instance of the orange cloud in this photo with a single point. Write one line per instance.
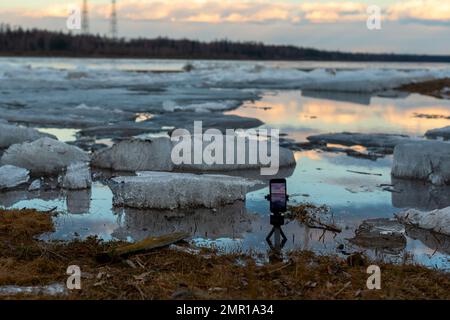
(433, 10)
(257, 11)
(334, 11)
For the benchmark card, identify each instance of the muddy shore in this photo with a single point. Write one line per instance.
(435, 88)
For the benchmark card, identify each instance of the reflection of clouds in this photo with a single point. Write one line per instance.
(289, 109)
(77, 201)
(310, 154)
(11, 198)
(332, 112)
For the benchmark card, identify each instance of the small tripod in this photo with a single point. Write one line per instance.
(276, 220)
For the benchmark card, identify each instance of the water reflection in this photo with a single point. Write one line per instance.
(301, 115)
(357, 98)
(230, 221)
(11, 198)
(419, 195)
(78, 201)
(434, 241)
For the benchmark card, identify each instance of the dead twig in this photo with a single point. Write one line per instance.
(322, 226)
(342, 289)
(365, 173)
(281, 268)
(140, 291)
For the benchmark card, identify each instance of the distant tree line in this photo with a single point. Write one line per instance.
(35, 42)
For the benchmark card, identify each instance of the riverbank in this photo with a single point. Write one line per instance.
(438, 88)
(182, 271)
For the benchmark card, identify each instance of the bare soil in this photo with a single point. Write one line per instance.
(431, 88)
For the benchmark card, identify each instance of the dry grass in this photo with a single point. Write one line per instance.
(170, 273)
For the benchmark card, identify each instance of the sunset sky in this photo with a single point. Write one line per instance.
(408, 26)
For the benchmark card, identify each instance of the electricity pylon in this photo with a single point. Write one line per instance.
(85, 18)
(114, 28)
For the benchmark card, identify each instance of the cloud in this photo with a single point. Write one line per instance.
(211, 11)
(257, 11)
(330, 12)
(215, 11)
(420, 10)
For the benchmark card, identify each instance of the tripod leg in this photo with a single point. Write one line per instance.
(270, 234)
(283, 235)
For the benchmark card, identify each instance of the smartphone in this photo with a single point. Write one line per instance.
(278, 195)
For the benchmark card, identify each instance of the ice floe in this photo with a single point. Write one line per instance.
(77, 177)
(163, 190)
(11, 176)
(437, 220)
(439, 133)
(152, 154)
(240, 157)
(423, 160)
(44, 156)
(12, 134)
(35, 185)
(171, 106)
(375, 140)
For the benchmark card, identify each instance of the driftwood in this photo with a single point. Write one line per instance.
(148, 244)
(365, 173)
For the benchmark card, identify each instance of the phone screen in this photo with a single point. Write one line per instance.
(278, 196)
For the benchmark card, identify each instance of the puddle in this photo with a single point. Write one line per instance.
(65, 135)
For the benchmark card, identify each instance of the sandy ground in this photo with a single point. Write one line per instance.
(186, 272)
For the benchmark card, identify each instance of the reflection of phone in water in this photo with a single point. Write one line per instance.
(278, 195)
